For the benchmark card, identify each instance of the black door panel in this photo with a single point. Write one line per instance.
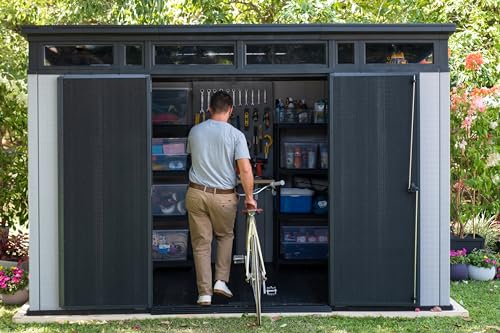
(372, 211)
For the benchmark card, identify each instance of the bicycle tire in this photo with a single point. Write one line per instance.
(256, 279)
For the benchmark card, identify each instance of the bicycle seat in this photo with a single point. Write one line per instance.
(258, 211)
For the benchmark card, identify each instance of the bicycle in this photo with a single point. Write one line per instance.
(255, 270)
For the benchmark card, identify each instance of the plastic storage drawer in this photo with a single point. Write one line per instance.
(299, 155)
(296, 200)
(169, 163)
(307, 242)
(169, 154)
(170, 106)
(169, 245)
(168, 200)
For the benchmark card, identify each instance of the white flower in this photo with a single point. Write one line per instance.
(496, 179)
(493, 159)
(493, 125)
(461, 145)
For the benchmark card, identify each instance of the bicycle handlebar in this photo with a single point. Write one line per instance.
(272, 184)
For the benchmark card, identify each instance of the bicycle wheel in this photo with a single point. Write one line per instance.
(256, 279)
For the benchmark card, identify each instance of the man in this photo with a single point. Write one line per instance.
(211, 201)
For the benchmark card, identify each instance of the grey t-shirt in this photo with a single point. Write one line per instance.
(214, 147)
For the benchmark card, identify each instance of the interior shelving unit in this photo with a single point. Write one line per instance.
(309, 132)
(172, 129)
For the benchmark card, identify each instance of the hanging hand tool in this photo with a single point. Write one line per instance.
(239, 95)
(258, 96)
(246, 97)
(246, 119)
(255, 141)
(198, 116)
(265, 96)
(252, 98)
(267, 147)
(259, 166)
(267, 117)
(261, 139)
(234, 100)
(208, 104)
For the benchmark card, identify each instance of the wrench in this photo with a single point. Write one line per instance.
(246, 97)
(239, 94)
(265, 96)
(258, 96)
(252, 97)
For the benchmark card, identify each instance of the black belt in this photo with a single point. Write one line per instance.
(210, 189)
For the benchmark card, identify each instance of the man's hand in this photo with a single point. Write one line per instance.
(250, 203)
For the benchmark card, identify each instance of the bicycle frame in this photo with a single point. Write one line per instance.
(252, 232)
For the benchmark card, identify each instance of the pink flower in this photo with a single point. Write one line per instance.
(467, 122)
(477, 103)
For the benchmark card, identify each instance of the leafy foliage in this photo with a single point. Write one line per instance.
(478, 31)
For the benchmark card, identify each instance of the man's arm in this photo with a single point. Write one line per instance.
(246, 177)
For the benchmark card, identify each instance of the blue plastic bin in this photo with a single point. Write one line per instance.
(296, 200)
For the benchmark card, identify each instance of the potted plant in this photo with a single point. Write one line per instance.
(13, 285)
(482, 265)
(458, 265)
(474, 116)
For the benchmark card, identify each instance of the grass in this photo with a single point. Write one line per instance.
(482, 299)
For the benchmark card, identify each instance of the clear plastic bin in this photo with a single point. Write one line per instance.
(169, 163)
(170, 245)
(304, 242)
(170, 105)
(169, 146)
(299, 155)
(168, 200)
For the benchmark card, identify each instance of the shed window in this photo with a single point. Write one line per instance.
(404, 53)
(78, 55)
(286, 54)
(133, 55)
(194, 54)
(345, 53)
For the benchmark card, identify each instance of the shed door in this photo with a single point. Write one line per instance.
(372, 211)
(104, 192)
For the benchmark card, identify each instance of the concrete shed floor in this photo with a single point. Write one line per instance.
(21, 317)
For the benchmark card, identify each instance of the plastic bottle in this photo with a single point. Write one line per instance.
(311, 158)
(297, 161)
(323, 156)
(289, 157)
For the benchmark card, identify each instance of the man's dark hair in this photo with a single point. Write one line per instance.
(220, 102)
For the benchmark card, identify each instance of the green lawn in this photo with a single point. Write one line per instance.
(482, 299)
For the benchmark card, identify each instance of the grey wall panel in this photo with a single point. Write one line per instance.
(33, 195)
(444, 187)
(370, 207)
(48, 194)
(429, 189)
(105, 192)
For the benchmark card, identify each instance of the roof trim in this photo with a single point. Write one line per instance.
(32, 30)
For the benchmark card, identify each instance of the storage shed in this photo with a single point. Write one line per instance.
(355, 119)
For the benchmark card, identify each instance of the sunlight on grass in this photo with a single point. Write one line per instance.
(482, 299)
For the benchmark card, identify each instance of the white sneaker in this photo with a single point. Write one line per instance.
(204, 300)
(221, 288)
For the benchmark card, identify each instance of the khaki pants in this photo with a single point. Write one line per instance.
(211, 214)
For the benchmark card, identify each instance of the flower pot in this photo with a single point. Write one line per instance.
(8, 263)
(468, 243)
(459, 272)
(481, 273)
(18, 298)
